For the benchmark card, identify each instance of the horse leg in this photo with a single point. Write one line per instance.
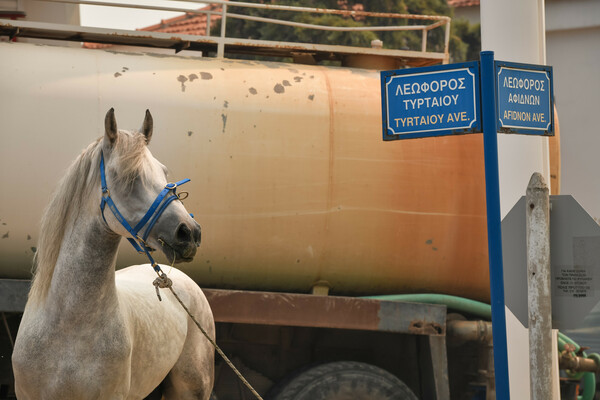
(191, 378)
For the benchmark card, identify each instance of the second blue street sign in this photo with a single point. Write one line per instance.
(524, 97)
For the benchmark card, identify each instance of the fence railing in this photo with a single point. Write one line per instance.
(426, 23)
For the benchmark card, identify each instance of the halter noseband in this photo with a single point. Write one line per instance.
(150, 218)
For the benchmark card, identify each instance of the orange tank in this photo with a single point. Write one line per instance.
(291, 181)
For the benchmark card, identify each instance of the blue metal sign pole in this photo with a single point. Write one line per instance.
(492, 195)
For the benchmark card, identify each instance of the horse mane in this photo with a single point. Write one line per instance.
(76, 192)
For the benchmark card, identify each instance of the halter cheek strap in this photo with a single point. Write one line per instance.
(154, 212)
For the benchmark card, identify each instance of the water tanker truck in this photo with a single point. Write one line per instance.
(307, 215)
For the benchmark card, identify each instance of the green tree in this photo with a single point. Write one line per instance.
(465, 41)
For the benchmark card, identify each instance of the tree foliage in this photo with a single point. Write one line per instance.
(464, 38)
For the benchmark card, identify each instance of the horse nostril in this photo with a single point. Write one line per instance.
(197, 234)
(184, 234)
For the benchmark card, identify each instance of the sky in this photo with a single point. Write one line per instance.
(130, 18)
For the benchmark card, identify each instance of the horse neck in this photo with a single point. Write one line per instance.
(84, 275)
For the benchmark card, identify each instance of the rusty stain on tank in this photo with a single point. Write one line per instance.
(252, 90)
(286, 83)
(117, 74)
(224, 118)
(192, 77)
(182, 79)
(206, 75)
(279, 88)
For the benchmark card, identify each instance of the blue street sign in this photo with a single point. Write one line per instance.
(524, 101)
(435, 101)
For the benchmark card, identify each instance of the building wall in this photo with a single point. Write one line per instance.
(44, 12)
(575, 56)
(573, 50)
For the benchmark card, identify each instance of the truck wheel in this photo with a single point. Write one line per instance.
(344, 380)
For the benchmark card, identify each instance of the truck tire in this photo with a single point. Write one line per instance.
(343, 380)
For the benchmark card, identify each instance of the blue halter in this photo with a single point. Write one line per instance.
(150, 218)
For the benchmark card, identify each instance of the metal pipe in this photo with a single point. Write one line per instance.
(447, 43)
(442, 18)
(329, 28)
(470, 331)
(208, 15)
(437, 24)
(221, 45)
(263, 19)
(324, 10)
(577, 364)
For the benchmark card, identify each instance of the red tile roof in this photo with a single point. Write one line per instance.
(188, 23)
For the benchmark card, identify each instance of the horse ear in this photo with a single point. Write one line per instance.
(148, 126)
(110, 126)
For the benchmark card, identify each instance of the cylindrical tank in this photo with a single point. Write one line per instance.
(291, 180)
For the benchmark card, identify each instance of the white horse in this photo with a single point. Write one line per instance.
(89, 332)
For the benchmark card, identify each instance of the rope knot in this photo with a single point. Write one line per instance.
(163, 281)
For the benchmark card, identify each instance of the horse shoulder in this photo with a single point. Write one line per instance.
(42, 371)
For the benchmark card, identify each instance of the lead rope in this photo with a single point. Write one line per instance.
(163, 281)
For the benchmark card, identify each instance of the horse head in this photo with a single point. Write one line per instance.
(146, 209)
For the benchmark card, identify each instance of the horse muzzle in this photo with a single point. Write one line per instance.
(185, 242)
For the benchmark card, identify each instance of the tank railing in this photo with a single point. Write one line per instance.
(224, 14)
